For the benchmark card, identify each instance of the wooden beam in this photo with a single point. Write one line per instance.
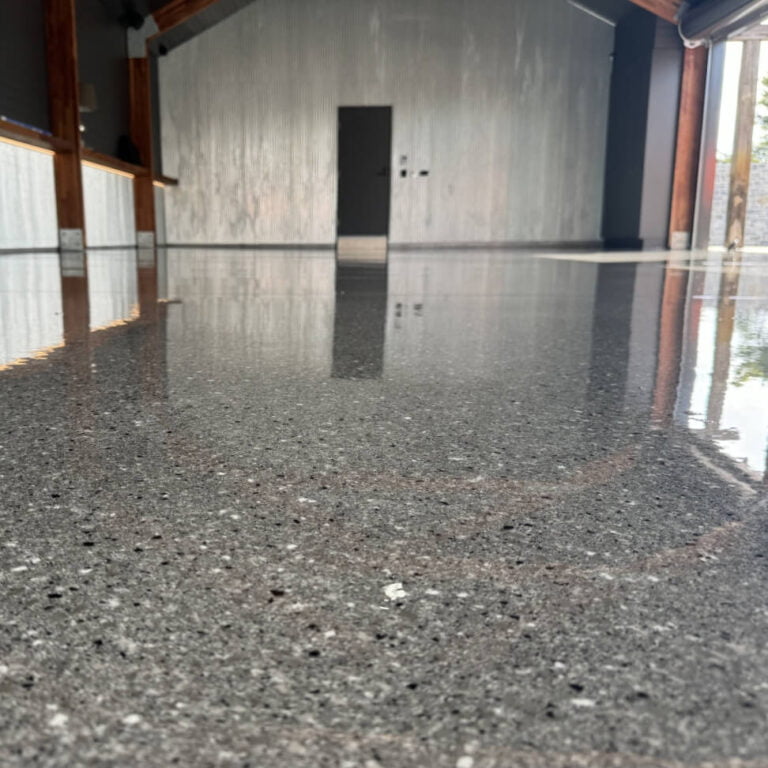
(166, 181)
(741, 161)
(177, 12)
(64, 108)
(112, 163)
(689, 125)
(666, 9)
(760, 32)
(31, 137)
(140, 99)
(670, 349)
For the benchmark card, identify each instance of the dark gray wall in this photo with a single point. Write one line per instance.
(102, 50)
(23, 79)
(661, 136)
(627, 120)
(641, 132)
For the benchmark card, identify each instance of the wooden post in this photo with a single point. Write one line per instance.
(64, 106)
(140, 96)
(689, 126)
(742, 144)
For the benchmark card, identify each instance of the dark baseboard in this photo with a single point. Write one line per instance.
(623, 244)
(511, 245)
(254, 246)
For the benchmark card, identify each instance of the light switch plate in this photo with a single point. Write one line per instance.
(145, 239)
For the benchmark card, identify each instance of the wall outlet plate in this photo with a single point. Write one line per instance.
(145, 239)
(146, 257)
(73, 263)
(71, 239)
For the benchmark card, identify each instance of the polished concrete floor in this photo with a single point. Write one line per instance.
(471, 509)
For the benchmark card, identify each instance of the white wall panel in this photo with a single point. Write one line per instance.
(109, 216)
(27, 199)
(503, 101)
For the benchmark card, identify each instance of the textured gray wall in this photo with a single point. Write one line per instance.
(504, 101)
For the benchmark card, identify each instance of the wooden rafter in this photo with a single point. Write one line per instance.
(665, 9)
(64, 108)
(177, 12)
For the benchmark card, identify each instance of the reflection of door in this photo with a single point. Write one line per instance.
(365, 138)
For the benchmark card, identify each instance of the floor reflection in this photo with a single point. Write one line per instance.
(112, 287)
(678, 342)
(723, 386)
(359, 327)
(30, 306)
(251, 313)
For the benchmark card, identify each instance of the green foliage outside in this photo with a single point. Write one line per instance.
(752, 353)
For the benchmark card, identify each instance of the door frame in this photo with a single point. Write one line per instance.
(363, 244)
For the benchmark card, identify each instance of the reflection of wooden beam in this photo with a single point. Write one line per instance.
(177, 12)
(670, 349)
(689, 123)
(666, 9)
(64, 108)
(140, 98)
(742, 144)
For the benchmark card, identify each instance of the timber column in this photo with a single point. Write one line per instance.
(64, 107)
(742, 145)
(140, 98)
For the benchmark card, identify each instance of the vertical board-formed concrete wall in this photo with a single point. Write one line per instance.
(109, 216)
(504, 102)
(27, 199)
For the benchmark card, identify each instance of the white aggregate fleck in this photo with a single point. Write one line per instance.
(59, 720)
(395, 591)
(585, 703)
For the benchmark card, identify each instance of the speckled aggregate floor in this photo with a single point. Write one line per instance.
(471, 509)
